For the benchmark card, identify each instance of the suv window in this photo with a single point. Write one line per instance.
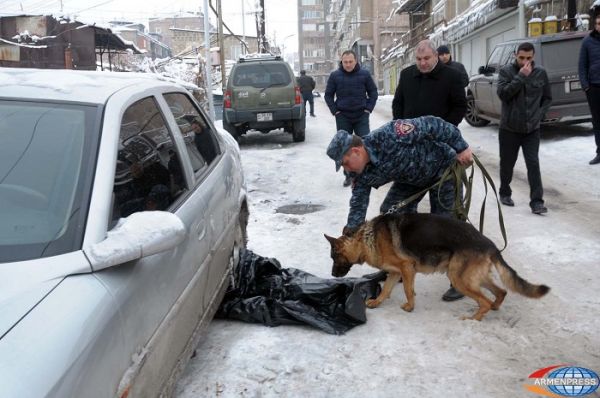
(262, 75)
(559, 55)
(507, 55)
(494, 61)
(146, 178)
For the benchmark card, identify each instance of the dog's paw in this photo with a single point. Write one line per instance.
(407, 307)
(372, 303)
(469, 318)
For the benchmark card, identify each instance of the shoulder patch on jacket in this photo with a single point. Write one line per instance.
(403, 128)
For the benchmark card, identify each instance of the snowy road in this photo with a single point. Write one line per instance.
(429, 352)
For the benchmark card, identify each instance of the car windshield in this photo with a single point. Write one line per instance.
(262, 75)
(45, 161)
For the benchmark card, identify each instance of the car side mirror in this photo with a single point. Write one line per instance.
(482, 70)
(140, 235)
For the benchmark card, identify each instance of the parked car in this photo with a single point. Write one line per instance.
(558, 54)
(117, 235)
(262, 94)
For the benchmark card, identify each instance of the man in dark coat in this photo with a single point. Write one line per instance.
(446, 58)
(351, 95)
(589, 75)
(307, 85)
(525, 93)
(429, 88)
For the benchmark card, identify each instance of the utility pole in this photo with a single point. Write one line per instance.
(243, 26)
(221, 45)
(208, 63)
(376, 43)
(263, 38)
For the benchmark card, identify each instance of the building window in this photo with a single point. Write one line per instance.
(312, 14)
(308, 27)
(157, 30)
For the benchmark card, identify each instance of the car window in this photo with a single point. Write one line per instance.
(561, 55)
(149, 174)
(261, 75)
(197, 134)
(507, 54)
(494, 60)
(46, 163)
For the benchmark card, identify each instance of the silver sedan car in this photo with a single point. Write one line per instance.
(122, 209)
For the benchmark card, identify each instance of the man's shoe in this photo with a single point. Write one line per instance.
(538, 208)
(506, 200)
(348, 181)
(596, 160)
(452, 294)
(313, 115)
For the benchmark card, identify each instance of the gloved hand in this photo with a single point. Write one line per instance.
(349, 231)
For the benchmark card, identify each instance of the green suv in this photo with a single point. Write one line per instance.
(262, 95)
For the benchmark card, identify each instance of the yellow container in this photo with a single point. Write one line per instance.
(535, 26)
(550, 26)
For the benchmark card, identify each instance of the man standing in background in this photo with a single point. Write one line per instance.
(429, 88)
(351, 95)
(525, 93)
(446, 58)
(307, 85)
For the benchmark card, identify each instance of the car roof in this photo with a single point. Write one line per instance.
(72, 85)
(551, 37)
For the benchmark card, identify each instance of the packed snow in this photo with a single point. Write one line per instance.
(428, 352)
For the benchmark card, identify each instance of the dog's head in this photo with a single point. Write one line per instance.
(341, 263)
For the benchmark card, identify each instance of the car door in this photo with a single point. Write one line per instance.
(210, 182)
(151, 175)
(485, 85)
(507, 57)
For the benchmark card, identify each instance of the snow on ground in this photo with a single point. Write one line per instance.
(428, 352)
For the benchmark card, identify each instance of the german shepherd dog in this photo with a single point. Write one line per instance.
(404, 244)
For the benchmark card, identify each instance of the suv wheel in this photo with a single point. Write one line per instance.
(298, 128)
(471, 116)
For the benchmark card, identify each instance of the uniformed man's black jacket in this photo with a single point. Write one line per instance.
(525, 99)
(438, 93)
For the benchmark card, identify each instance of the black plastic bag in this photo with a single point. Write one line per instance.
(263, 292)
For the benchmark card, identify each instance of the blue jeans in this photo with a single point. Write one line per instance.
(358, 126)
(310, 98)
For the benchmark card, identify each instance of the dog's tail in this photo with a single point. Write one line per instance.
(514, 282)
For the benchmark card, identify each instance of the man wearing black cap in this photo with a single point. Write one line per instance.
(446, 58)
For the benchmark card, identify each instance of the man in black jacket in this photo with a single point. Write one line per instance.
(307, 85)
(446, 59)
(429, 88)
(525, 93)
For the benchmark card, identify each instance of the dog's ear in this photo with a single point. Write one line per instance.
(331, 239)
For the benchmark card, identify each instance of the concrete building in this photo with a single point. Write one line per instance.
(471, 28)
(315, 40)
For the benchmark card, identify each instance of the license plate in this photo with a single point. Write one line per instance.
(575, 85)
(264, 117)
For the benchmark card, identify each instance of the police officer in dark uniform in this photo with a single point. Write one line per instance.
(411, 153)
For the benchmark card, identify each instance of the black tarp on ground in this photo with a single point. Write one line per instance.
(263, 292)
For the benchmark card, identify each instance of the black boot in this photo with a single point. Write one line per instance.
(596, 160)
(452, 294)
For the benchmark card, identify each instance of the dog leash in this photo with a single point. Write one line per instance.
(462, 203)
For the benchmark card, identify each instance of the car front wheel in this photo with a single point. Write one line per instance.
(472, 116)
